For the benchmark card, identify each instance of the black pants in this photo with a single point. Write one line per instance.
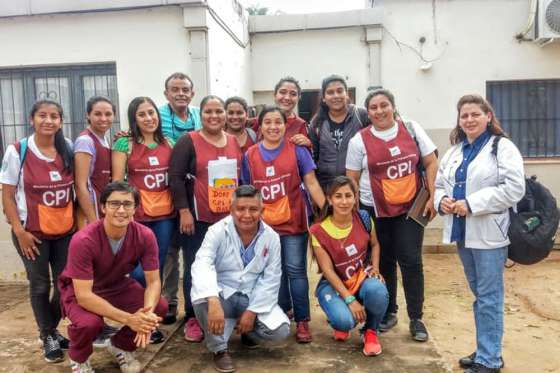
(401, 242)
(46, 307)
(190, 245)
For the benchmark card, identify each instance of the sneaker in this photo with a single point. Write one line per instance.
(303, 334)
(76, 367)
(248, 342)
(388, 322)
(125, 359)
(156, 337)
(418, 330)
(193, 332)
(468, 361)
(372, 347)
(340, 336)
(479, 368)
(223, 362)
(171, 315)
(63, 342)
(52, 351)
(102, 339)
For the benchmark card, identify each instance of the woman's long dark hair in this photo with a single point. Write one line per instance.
(337, 183)
(134, 130)
(61, 145)
(457, 135)
(323, 112)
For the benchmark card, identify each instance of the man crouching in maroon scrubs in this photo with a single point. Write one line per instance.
(95, 285)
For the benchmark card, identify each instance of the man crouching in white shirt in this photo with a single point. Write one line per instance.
(236, 278)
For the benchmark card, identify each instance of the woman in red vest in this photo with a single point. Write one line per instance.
(278, 168)
(144, 159)
(384, 159)
(204, 173)
(237, 124)
(287, 93)
(351, 290)
(92, 158)
(37, 194)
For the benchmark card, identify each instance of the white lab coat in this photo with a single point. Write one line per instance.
(494, 184)
(218, 269)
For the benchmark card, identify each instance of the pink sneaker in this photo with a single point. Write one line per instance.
(193, 332)
(340, 336)
(372, 347)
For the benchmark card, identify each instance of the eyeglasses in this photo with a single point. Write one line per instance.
(115, 205)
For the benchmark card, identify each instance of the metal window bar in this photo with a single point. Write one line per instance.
(529, 110)
(21, 87)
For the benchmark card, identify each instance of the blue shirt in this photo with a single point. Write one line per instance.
(305, 162)
(470, 151)
(248, 253)
(173, 126)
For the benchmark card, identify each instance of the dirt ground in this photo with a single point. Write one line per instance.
(531, 342)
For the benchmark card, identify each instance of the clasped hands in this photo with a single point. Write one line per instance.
(449, 205)
(143, 322)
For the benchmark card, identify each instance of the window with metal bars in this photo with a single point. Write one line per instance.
(529, 111)
(71, 86)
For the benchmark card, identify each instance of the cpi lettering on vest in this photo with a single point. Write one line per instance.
(399, 170)
(56, 198)
(155, 181)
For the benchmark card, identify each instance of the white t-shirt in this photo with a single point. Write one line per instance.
(356, 158)
(11, 169)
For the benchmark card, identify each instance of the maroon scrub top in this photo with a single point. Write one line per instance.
(90, 257)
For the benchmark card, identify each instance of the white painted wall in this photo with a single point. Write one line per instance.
(147, 45)
(310, 56)
(474, 43)
(229, 61)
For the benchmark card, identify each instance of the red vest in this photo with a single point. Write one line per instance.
(147, 171)
(212, 202)
(348, 255)
(48, 195)
(280, 185)
(248, 144)
(101, 174)
(393, 171)
(294, 125)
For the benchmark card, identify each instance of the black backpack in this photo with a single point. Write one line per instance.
(533, 227)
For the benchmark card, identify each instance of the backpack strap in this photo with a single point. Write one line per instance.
(365, 219)
(22, 153)
(252, 134)
(495, 146)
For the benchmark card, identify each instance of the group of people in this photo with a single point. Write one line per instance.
(243, 199)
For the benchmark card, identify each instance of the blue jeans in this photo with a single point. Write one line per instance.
(372, 295)
(233, 308)
(163, 230)
(294, 286)
(190, 245)
(484, 269)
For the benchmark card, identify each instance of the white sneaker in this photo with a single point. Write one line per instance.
(102, 339)
(125, 359)
(76, 367)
